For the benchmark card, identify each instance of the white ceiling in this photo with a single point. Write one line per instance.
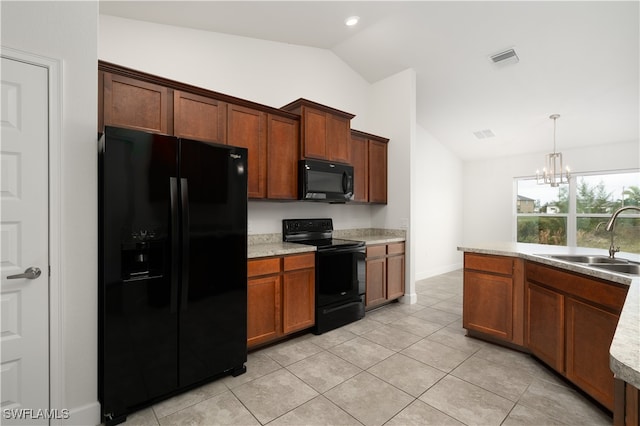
(577, 59)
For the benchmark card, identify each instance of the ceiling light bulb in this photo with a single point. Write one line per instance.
(351, 21)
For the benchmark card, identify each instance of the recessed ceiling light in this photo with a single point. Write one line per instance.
(351, 21)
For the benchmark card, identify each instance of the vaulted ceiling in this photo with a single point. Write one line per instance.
(577, 59)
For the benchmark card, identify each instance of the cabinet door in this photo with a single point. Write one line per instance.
(395, 276)
(360, 163)
(298, 300)
(338, 138)
(314, 134)
(248, 128)
(377, 172)
(135, 104)
(488, 304)
(199, 117)
(544, 325)
(282, 158)
(589, 334)
(376, 292)
(263, 309)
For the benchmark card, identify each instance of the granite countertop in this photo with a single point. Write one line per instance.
(265, 245)
(624, 353)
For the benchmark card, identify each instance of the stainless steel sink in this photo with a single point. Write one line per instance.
(601, 262)
(590, 259)
(628, 268)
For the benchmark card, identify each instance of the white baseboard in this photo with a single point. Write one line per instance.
(409, 299)
(88, 414)
(437, 271)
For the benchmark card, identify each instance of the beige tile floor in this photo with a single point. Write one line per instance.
(400, 365)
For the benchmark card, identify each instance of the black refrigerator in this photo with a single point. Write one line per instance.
(172, 267)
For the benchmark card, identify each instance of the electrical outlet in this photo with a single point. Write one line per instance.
(404, 223)
(249, 227)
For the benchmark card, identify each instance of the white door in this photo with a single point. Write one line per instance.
(24, 205)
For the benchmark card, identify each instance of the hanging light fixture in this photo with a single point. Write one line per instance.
(553, 172)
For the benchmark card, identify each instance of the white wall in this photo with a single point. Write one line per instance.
(439, 195)
(392, 113)
(66, 31)
(489, 211)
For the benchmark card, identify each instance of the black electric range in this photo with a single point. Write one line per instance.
(340, 271)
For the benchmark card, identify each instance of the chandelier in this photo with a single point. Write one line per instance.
(553, 172)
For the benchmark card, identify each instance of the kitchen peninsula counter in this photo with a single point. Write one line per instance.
(624, 353)
(266, 245)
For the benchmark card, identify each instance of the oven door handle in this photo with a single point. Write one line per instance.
(344, 250)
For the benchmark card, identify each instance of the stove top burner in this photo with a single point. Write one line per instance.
(316, 232)
(332, 242)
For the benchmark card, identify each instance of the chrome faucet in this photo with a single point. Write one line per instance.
(610, 225)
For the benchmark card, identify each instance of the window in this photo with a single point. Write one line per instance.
(575, 214)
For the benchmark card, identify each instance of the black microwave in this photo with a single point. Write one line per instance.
(325, 181)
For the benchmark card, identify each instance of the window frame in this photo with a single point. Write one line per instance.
(571, 216)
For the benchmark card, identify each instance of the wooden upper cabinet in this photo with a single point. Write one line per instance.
(314, 137)
(360, 163)
(199, 117)
(247, 128)
(377, 172)
(282, 157)
(338, 138)
(324, 131)
(135, 104)
(369, 161)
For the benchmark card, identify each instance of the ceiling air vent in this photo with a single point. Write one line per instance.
(483, 134)
(508, 56)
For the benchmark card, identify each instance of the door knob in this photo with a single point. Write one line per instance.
(30, 273)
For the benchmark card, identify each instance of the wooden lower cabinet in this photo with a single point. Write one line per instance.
(482, 290)
(263, 309)
(298, 300)
(493, 297)
(280, 297)
(544, 332)
(567, 320)
(571, 320)
(376, 292)
(627, 404)
(385, 272)
(590, 331)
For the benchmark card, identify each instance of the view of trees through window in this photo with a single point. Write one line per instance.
(576, 214)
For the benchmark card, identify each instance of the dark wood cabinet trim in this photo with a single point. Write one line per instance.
(365, 135)
(299, 103)
(176, 85)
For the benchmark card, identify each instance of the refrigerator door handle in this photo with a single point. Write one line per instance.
(184, 193)
(175, 243)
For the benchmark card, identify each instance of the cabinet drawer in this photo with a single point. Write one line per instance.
(301, 261)
(607, 294)
(488, 263)
(395, 248)
(376, 251)
(263, 267)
